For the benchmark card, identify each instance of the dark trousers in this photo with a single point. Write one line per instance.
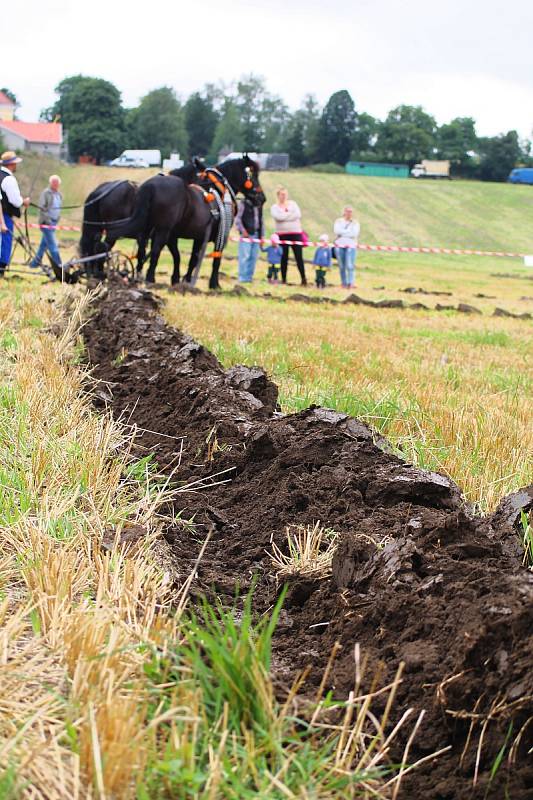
(272, 273)
(297, 249)
(320, 278)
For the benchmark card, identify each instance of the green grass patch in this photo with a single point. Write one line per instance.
(243, 736)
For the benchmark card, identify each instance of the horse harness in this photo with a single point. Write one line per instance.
(222, 205)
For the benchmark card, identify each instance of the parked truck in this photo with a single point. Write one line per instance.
(521, 175)
(137, 158)
(431, 169)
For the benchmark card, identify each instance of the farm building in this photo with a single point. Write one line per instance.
(39, 137)
(7, 107)
(376, 169)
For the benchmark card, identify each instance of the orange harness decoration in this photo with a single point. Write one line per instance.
(209, 197)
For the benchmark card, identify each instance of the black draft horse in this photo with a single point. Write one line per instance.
(167, 208)
(112, 202)
(109, 202)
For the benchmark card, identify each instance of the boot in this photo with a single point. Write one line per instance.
(3, 266)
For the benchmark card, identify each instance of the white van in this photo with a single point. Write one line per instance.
(137, 158)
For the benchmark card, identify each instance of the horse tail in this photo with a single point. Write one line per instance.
(137, 223)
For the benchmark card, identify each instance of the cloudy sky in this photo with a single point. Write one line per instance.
(460, 58)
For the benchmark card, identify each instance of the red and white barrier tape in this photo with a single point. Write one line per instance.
(382, 248)
(390, 248)
(54, 227)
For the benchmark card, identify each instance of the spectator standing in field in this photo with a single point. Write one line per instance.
(347, 232)
(249, 223)
(322, 261)
(12, 202)
(288, 219)
(50, 203)
(274, 253)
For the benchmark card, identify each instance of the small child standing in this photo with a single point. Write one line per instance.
(274, 253)
(322, 261)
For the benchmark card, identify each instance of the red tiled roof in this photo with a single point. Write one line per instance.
(42, 132)
(5, 100)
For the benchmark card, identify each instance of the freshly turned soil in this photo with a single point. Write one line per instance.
(416, 577)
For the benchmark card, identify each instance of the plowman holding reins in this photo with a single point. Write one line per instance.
(12, 202)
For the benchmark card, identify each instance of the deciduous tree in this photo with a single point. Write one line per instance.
(159, 123)
(407, 135)
(456, 141)
(228, 133)
(201, 121)
(93, 115)
(498, 156)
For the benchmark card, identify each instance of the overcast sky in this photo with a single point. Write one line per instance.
(460, 58)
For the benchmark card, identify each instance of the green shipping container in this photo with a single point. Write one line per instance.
(373, 168)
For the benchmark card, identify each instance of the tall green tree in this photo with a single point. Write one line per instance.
(365, 137)
(276, 120)
(250, 101)
(93, 116)
(296, 144)
(407, 135)
(200, 121)
(60, 110)
(336, 128)
(498, 156)
(456, 141)
(159, 123)
(228, 132)
(309, 115)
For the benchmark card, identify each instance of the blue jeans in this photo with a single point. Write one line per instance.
(48, 242)
(6, 243)
(248, 253)
(346, 258)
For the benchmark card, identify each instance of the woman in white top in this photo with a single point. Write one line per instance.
(288, 219)
(347, 232)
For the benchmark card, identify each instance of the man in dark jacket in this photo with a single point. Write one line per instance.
(249, 223)
(50, 203)
(12, 202)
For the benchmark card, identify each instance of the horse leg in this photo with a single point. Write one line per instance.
(193, 261)
(141, 254)
(159, 240)
(213, 281)
(172, 245)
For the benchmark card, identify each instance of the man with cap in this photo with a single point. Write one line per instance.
(12, 202)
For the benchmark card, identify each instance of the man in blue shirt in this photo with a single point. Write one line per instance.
(50, 203)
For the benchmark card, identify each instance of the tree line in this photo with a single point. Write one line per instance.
(244, 115)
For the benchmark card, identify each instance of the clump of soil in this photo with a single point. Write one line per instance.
(416, 576)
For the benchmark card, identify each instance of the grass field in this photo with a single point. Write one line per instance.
(454, 391)
(469, 214)
(124, 703)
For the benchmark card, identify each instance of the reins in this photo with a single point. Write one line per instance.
(110, 189)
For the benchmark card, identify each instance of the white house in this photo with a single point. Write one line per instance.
(45, 138)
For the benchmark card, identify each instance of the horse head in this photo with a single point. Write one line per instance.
(243, 175)
(252, 187)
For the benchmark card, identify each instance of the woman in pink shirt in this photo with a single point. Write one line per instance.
(288, 219)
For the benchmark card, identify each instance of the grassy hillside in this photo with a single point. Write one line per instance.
(391, 211)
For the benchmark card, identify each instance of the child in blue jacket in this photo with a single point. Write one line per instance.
(322, 261)
(274, 253)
